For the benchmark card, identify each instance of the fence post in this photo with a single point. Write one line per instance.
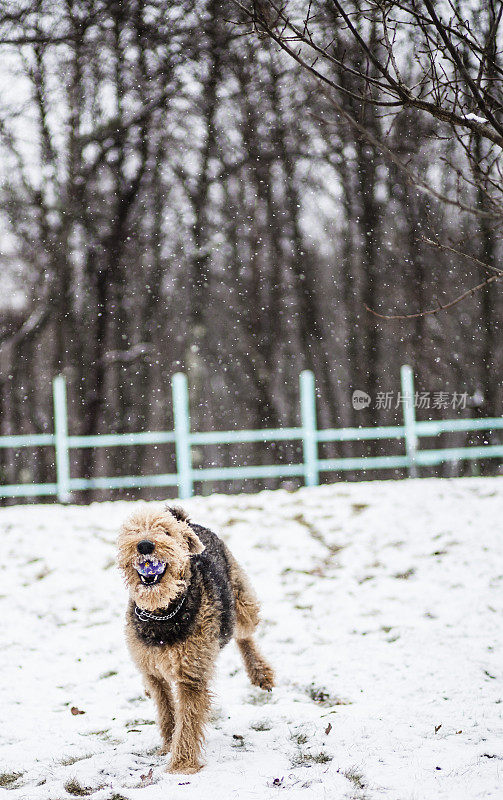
(61, 439)
(409, 418)
(309, 431)
(181, 417)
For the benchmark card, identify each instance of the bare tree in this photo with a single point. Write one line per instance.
(177, 194)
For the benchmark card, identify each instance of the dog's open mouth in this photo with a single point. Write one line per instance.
(150, 570)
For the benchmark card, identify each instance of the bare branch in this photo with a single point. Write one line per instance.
(430, 312)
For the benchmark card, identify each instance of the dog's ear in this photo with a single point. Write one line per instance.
(194, 542)
(177, 512)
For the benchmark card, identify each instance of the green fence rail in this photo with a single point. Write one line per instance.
(308, 434)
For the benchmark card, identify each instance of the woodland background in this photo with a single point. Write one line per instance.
(179, 193)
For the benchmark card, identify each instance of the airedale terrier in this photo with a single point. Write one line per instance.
(188, 597)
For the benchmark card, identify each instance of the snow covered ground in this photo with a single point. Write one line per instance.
(382, 613)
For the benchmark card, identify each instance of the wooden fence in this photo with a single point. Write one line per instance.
(308, 433)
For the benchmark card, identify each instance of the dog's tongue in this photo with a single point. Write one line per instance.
(150, 566)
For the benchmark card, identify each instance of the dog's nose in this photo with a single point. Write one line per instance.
(145, 547)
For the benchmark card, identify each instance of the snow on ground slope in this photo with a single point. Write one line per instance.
(382, 613)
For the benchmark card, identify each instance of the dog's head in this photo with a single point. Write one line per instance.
(155, 546)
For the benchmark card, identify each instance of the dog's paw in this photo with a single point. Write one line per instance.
(163, 750)
(267, 683)
(264, 678)
(184, 767)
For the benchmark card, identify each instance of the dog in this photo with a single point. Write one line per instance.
(188, 597)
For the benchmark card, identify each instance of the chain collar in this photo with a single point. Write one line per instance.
(144, 615)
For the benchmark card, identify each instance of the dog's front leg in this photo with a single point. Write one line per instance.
(161, 693)
(191, 716)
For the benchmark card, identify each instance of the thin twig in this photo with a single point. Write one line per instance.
(449, 249)
(440, 307)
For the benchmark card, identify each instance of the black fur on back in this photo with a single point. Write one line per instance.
(213, 567)
(209, 572)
